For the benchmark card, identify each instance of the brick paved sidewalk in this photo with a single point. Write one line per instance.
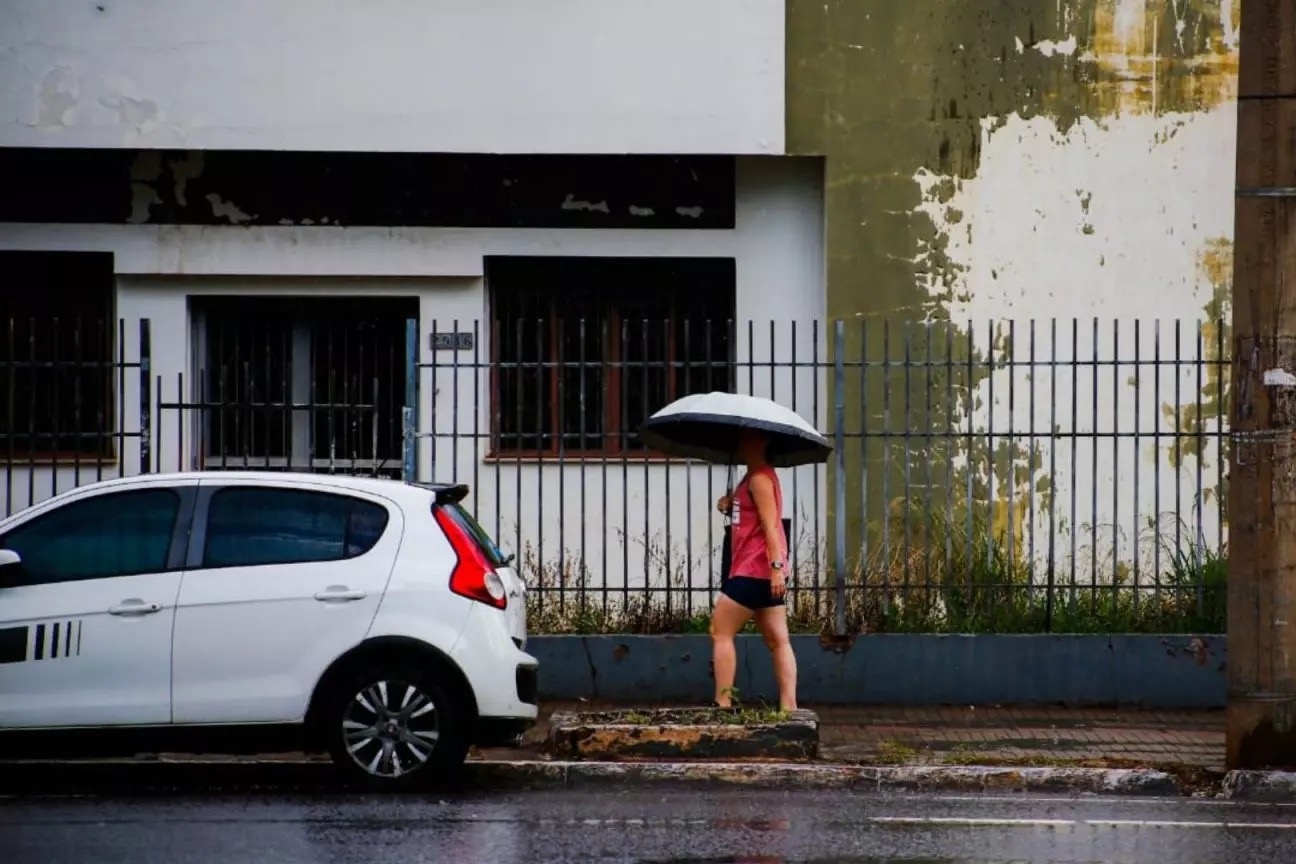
(955, 735)
(964, 735)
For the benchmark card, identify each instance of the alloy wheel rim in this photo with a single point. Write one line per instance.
(390, 728)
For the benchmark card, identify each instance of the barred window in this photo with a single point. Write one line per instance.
(303, 383)
(585, 349)
(56, 355)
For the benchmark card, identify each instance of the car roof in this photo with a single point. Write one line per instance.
(404, 494)
(377, 485)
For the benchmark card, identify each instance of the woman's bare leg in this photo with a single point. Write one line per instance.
(772, 623)
(727, 619)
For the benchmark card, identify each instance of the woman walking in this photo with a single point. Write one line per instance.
(716, 427)
(757, 581)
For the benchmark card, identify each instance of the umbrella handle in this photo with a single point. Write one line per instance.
(729, 490)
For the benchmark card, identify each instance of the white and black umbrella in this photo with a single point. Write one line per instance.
(707, 425)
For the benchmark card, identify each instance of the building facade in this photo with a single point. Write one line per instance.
(308, 235)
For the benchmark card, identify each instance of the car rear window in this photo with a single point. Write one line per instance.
(465, 521)
(253, 526)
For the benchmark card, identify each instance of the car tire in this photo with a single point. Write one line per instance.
(394, 728)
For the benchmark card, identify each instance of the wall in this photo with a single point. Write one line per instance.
(486, 76)
(1036, 160)
(777, 243)
(1166, 672)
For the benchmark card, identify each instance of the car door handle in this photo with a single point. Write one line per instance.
(339, 593)
(134, 607)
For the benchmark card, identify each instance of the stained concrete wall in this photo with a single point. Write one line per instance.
(1144, 671)
(485, 76)
(1028, 160)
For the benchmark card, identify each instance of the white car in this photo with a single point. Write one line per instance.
(244, 612)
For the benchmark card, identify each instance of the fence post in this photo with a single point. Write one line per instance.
(146, 397)
(839, 444)
(409, 413)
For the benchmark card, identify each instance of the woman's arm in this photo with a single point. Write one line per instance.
(762, 490)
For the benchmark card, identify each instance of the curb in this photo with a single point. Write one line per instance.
(1261, 786)
(33, 777)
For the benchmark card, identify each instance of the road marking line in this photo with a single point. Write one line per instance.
(1098, 799)
(1155, 823)
(963, 821)
(967, 820)
(1072, 799)
(972, 821)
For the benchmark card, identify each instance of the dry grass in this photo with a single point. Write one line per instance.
(950, 581)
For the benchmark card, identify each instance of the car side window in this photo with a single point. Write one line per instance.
(253, 526)
(116, 534)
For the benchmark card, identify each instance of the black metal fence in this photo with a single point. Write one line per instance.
(70, 401)
(1015, 475)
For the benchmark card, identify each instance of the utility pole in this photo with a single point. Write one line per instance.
(1262, 461)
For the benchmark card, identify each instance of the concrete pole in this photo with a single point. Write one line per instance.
(1262, 464)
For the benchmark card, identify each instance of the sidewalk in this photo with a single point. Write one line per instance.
(984, 736)
(1049, 750)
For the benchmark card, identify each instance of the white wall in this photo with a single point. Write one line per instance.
(484, 76)
(777, 243)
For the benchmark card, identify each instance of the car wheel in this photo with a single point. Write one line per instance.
(394, 728)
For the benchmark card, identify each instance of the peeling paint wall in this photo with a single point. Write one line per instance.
(484, 76)
(1025, 160)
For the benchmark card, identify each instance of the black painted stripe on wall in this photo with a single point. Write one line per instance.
(67, 640)
(463, 190)
(54, 642)
(13, 644)
(40, 642)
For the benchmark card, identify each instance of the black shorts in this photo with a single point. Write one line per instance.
(749, 592)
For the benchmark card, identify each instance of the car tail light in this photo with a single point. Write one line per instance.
(473, 576)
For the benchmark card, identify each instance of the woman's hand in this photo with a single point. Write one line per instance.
(724, 503)
(778, 582)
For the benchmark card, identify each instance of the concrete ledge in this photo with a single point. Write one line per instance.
(1181, 671)
(681, 734)
(130, 776)
(1269, 786)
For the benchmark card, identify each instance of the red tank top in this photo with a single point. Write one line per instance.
(749, 554)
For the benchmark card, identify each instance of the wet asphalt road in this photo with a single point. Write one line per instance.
(661, 825)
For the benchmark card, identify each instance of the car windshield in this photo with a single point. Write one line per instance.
(470, 527)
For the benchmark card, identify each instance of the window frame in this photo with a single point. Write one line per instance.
(104, 369)
(613, 366)
(177, 549)
(200, 536)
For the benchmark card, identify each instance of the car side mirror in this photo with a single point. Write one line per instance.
(9, 564)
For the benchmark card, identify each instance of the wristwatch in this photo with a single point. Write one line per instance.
(776, 565)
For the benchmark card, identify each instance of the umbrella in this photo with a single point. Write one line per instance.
(707, 425)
